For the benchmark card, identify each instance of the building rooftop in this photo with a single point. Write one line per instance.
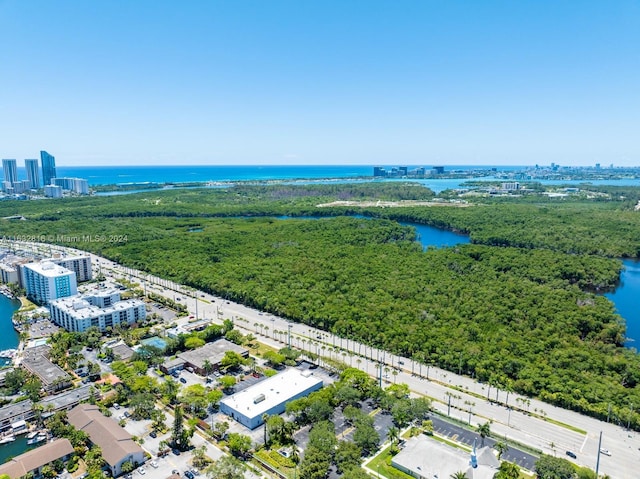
(21, 465)
(67, 398)
(122, 351)
(8, 412)
(79, 308)
(213, 352)
(36, 360)
(431, 459)
(115, 442)
(48, 269)
(260, 398)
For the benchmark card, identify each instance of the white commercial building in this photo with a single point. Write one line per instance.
(102, 310)
(425, 458)
(46, 281)
(269, 396)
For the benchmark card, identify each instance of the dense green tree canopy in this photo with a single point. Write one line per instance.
(514, 308)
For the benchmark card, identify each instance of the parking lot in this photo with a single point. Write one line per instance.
(468, 437)
(171, 462)
(42, 328)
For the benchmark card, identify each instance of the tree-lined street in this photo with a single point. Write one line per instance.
(541, 426)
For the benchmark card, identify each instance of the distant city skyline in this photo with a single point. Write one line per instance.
(327, 83)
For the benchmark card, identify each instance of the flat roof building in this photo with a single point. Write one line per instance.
(269, 396)
(46, 281)
(52, 191)
(102, 310)
(80, 265)
(8, 274)
(36, 361)
(14, 412)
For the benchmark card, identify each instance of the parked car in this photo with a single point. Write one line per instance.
(153, 434)
(175, 451)
(154, 464)
(572, 454)
(183, 380)
(606, 452)
(189, 474)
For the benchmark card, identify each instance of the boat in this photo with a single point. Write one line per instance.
(31, 435)
(7, 353)
(8, 438)
(39, 438)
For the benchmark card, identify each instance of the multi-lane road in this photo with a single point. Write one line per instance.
(539, 425)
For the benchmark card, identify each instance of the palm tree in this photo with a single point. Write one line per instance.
(207, 366)
(393, 434)
(501, 447)
(485, 431)
(265, 417)
(459, 475)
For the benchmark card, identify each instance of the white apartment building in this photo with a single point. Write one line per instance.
(80, 265)
(52, 191)
(8, 274)
(102, 309)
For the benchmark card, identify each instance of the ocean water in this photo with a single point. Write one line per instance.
(108, 175)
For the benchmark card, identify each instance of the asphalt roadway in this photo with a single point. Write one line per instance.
(527, 421)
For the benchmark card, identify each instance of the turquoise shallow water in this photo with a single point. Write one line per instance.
(108, 175)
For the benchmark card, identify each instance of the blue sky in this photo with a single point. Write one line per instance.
(325, 82)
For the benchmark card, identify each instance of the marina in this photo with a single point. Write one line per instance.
(36, 437)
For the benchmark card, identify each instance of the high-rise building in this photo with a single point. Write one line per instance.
(10, 169)
(46, 281)
(77, 185)
(52, 191)
(48, 167)
(80, 265)
(33, 173)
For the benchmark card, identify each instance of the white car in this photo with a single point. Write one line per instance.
(142, 471)
(605, 452)
(154, 464)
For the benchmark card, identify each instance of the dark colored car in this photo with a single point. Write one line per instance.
(153, 434)
(183, 380)
(189, 474)
(176, 451)
(572, 454)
